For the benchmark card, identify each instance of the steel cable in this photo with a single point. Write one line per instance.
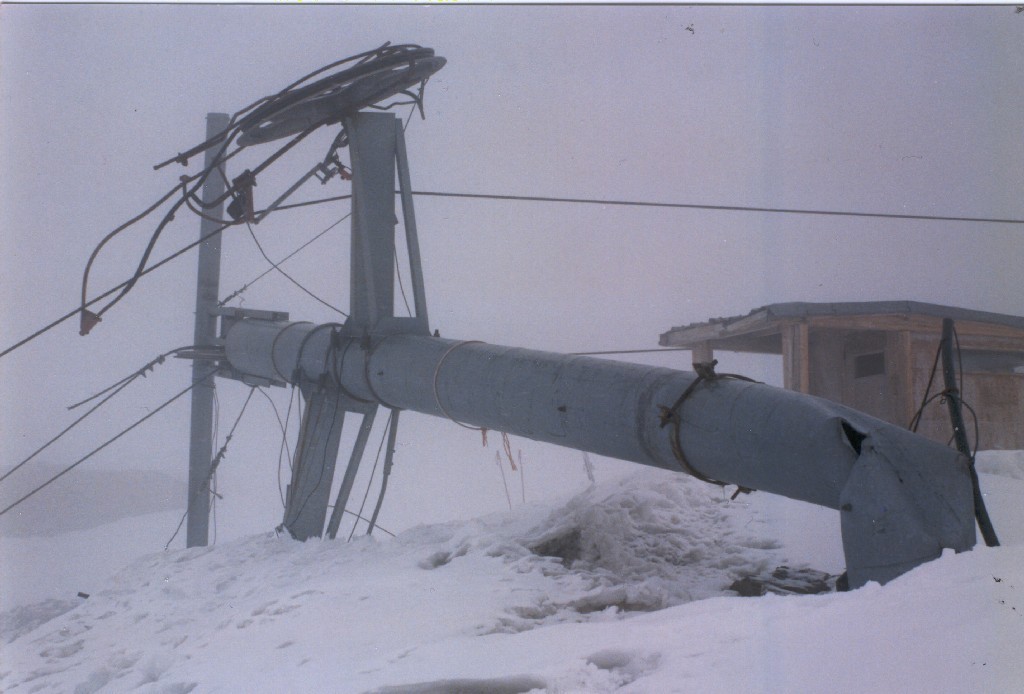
(99, 448)
(116, 387)
(213, 463)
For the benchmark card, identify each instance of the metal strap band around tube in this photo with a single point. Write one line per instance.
(673, 416)
(305, 341)
(273, 347)
(336, 368)
(437, 372)
(366, 373)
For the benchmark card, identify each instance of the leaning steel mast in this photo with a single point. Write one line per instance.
(902, 498)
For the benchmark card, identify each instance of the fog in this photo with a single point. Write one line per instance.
(912, 110)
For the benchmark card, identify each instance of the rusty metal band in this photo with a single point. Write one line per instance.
(672, 416)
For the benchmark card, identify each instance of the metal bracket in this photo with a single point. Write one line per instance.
(229, 315)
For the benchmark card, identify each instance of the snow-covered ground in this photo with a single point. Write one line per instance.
(621, 588)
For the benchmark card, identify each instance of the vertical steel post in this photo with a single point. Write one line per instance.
(372, 284)
(207, 291)
(956, 417)
(372, 145)
(409, 219)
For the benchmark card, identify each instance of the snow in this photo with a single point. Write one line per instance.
(623, 587)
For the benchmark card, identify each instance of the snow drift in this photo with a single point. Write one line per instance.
(625, 587)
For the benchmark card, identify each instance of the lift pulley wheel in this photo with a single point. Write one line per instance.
(332, 98)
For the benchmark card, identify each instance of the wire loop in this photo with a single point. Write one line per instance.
(672, 416)
(437, 372)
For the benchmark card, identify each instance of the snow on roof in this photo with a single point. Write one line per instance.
(803, 309)
(772, 313)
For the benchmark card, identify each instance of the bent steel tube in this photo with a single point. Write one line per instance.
(902, 498)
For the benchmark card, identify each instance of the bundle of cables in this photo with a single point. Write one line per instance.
(359, 81)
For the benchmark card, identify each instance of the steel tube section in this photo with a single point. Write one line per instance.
(902, 498)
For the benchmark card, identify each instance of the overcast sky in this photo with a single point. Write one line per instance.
(877, 109)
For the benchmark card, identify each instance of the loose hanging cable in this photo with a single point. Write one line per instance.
(284, 436)
(276, 266)
(116, 388)
(389, 457)
(213, 463)
(89, 319)
(96, 450)
(266, 272)
(147, 367)
(950, 341)
(401, 286)
(77, 310)
(376, 75)
(504, 481)
(155, 266)
(507, 445)
(522, 475)
(376, 460)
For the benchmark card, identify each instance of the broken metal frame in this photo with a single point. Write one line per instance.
(379, 162)
(902, 498)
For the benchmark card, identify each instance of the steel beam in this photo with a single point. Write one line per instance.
(376, 146)
(313, 464)
(358, 448)
(207, 290)
(372, 285)
(902, 498)
(411, 237)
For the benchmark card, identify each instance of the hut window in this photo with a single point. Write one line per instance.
(872, 364)
(992, 361)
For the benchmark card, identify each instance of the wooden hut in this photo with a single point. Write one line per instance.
(877, 357)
